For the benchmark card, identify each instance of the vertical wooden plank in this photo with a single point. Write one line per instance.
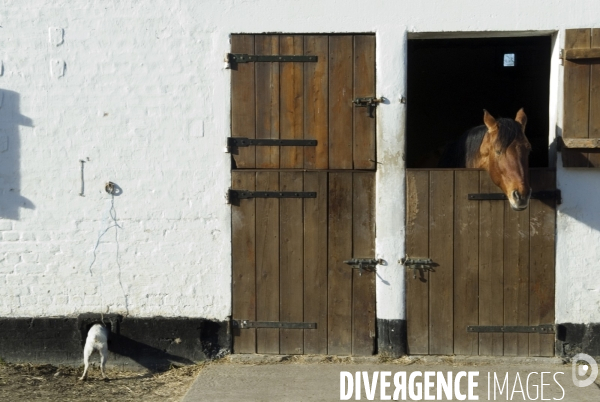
(594, 129)
(576, 97)
(417, 245)
(466, 262)
(340, 102)
(316, 99)
(242, 100)
(542, 235)
(267, 100)
(516, 279)
(291, 264)
(441, 306)
(315, 263)
(577, 86)
(491, 268)
(243, 263)
(364, 86)
(292, 101)
(267, 262)
(339, 274)
(363, 285)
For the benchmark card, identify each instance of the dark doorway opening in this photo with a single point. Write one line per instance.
(451, 81)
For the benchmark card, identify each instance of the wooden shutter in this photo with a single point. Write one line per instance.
(581, 121)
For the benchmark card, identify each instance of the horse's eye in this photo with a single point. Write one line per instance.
(498, 152)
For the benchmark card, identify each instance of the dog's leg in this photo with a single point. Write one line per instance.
(103, 358)
(86, 361)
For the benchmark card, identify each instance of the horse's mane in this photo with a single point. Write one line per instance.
(466, 147)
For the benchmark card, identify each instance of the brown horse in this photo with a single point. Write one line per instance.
(500, 147)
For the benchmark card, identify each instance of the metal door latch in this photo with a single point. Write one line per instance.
(370, 103)
(425, 264)
(363, 264)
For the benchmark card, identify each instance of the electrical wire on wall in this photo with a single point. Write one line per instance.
(114, 190)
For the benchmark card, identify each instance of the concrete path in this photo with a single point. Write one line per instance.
(280, 378)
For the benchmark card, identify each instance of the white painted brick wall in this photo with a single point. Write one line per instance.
(137, 90)
(135, 103)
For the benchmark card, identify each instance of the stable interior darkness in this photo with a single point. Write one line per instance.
(451, 81)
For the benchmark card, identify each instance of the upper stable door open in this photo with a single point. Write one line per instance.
(488, 287)
(451, 81)
(304, 99)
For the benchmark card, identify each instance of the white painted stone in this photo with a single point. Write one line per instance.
(5, 224)
(10, 236)
(145, 80)
(55, 36)
(57, 68)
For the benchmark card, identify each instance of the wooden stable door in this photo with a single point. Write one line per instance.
(303, 207)
(492, 268)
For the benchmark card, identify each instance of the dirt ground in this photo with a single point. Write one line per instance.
(27, 382)
(232, 376)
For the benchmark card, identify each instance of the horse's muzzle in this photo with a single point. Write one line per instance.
(518, 201)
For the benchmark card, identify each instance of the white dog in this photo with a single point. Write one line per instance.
(97, 339)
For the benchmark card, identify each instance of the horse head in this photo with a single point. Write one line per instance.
(505, 155)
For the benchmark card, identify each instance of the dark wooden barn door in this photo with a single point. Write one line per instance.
(493, 268)
(292, 291)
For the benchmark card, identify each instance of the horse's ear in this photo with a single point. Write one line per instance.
(489, 120)
(521, 117)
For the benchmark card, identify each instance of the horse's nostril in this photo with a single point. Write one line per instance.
(516, 195)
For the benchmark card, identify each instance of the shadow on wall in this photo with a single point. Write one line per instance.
(152, 358)
(157, 343)
(580, 188)
(10, 156)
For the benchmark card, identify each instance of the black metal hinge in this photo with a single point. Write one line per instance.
(248, 58)
(243, 324)
(535, 329)
(536, 195)
(244, 194)
(233, 142)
